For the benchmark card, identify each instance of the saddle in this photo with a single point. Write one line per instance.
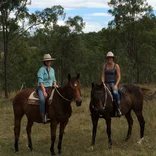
(34, 99)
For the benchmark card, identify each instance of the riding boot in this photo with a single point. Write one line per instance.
(43, 117)
(119, 109)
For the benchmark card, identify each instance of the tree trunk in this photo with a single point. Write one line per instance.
(5, 68)
(5, 40)
(61, 72)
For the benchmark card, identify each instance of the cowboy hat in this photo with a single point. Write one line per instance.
(110, 54)
(47, 57)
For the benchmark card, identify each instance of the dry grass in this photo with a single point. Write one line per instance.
(77, 136)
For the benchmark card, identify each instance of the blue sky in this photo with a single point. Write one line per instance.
(94, 12)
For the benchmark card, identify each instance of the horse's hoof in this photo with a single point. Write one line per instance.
(127, 138)
(91, 147)
(53, 154)
(140, 141)
(31, 149)
(16, 151)
(59, 153)
(110, 146)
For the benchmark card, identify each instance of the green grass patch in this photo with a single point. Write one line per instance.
(77, 136)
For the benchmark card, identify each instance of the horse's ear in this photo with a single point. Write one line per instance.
(78, 76)
(93, 85)
(69, 77)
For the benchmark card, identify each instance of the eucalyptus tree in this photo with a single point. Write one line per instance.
(10, 25)
(126, 13)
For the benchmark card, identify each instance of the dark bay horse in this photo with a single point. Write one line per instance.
(59, 111)
(101, 106)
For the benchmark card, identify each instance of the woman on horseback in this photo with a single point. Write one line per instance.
(111, 76)
(46, 78)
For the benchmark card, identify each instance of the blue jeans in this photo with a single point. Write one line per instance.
(42, 100)
(115, 93)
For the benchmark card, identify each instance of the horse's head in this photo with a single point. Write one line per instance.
(74, 91)
(97, 98)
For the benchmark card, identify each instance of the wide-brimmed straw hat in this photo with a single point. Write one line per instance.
(47, 57)
(110, 54)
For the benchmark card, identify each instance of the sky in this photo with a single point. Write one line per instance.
(94, 12)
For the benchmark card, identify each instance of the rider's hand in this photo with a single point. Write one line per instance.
(45, 94)
(56, 86)
(115, 87)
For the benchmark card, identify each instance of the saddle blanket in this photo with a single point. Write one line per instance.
(34, 99)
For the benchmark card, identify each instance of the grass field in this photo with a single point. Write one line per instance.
(77, 136)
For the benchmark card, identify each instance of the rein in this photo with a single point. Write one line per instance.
(107, 91)
(62, 95)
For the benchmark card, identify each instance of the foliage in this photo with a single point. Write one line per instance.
(131, 36)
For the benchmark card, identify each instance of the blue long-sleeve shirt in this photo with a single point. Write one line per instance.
(46, 79)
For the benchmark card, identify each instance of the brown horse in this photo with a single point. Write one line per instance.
(102, 106)
(59, 111)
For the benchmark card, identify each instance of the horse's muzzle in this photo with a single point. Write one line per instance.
(101, 111)
(78, 102)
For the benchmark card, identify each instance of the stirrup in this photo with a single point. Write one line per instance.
(119, 112)
(47, 120)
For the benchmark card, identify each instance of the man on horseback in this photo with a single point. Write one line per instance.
(46, 78)
(111, 76)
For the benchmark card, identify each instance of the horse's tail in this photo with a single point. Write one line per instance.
(148, 94)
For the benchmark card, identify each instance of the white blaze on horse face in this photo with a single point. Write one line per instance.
(75, 84)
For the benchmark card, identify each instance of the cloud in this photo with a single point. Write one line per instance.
(99, 14)
(93, 12)
(60, 23)
(69, 3)
(92, 27)
(89, 26)
(152, 3)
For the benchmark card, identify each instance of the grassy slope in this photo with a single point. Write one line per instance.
(78, 134)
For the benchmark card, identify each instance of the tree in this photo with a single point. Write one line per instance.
(126, 13)
(10, 25)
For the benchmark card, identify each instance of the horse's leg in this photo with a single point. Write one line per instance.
(53, 126)
(130, 124)
(95, 123)
(61, 132)
(108, 123)
(17, 127)
(142, 124)
(28, 129)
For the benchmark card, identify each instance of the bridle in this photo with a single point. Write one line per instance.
(62, 95)
(107, 92)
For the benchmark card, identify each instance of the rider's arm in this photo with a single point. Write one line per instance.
(54, 80)
(103, 75)
(40, 80)
(118, 75)
(42, 86)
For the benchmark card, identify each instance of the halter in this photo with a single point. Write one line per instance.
(62, 95)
